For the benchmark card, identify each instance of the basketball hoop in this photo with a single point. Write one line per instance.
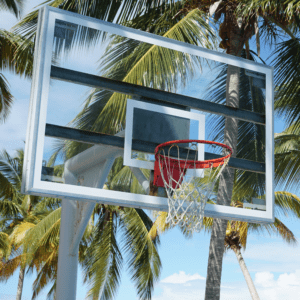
(188, 182)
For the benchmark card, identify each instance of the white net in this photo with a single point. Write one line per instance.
(188, 185)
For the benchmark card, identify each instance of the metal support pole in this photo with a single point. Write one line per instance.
(66, 282)
(74, 219)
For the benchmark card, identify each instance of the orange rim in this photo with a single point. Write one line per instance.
(190, 164)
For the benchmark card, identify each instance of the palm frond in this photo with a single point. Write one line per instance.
(18, 235)
(16, 54)
(151, 65)
(144, 262)
(103, 258)
(14, 6)
(287, 203)
(4, 245)
(6, 98)
(287, 170)
(276, 227)
(8, 268)
(111, 11)
(11, 168)
(47, 273)
(47, 204)
(159, 226)
(286, 234)
(286, 62)
(43, 234)
(124, 181)
(10, 209)
(287, 156)
(280, 14)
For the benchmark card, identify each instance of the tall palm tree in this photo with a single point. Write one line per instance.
(239, 23)
(237, 232)
(236, 237)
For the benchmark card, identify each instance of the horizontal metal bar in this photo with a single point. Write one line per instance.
(90, 137)
(137, 90)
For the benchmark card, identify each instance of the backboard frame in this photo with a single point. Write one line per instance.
(32, 183)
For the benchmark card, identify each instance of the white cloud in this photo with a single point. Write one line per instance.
(289, 279)
(181, 292)
(264, 279)
(181, 286)
(182, 278)
(287, 286)
(195, 290)
(268, 285)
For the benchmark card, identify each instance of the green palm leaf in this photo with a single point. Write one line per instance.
(277, 227)
(10, 180)
(118, 11)
(287, 203)
(103, 259)
(8, 268)
(14, 6)
(150, 65)
(287, 157)
(144, 262)
(4, 245)
(46, 274)
(44, 233)
(286, 62)
(6, 98)
(16, 53)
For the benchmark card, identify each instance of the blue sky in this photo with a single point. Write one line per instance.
(273, 265)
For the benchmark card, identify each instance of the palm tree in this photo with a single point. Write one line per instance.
(239, 23)
(235, 31)
(100, 251)
(237, 232)
(11, 200)
(236, 237)
(30, 237)
(19, 213)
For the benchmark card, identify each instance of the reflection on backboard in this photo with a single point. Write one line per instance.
(109, 149)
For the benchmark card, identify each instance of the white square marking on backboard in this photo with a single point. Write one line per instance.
(132, 104)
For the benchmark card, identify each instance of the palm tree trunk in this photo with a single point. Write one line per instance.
(20, 283)
(246, 274)
(216, 248)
